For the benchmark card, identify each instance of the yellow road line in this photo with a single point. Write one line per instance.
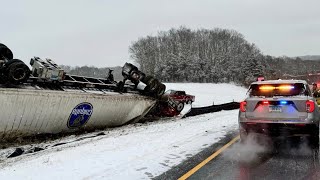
(195, 169)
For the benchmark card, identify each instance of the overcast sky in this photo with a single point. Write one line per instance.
(97, 32)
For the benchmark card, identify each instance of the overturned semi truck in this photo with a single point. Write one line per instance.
(46, 100)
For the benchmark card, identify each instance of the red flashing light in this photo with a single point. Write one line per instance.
(243, 105)
(310, 106)
(265, 102)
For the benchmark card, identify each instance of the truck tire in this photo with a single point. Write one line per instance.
(17, 71)
(5, 52)
(180, 107)
(151, 83)
(145, 79)
(161, 89)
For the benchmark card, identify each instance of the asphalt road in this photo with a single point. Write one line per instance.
(289, 159)
(254, 161)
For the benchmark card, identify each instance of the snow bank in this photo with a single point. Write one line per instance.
(139, 151)
(208, 93)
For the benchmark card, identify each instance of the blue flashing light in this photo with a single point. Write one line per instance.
(283, 102)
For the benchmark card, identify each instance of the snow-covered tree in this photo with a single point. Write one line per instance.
(217, 55)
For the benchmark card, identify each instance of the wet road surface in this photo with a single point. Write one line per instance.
(253, 161)
(286, 160)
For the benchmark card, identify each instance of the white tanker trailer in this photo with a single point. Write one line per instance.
(31, 111)
(46, 100)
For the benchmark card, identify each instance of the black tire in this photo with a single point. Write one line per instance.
(142, 76)
(12, 61)
(17, 71)
(5, 52)
(152, 84)
(180, 107)
(146, 79)
(161, 89)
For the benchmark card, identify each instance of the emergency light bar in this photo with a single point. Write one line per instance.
(282, 87)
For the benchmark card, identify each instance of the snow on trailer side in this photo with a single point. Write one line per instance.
(26, 112)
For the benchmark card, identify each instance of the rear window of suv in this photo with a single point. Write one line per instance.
(269, 90)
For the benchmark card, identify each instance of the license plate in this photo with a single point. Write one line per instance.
(277, 109)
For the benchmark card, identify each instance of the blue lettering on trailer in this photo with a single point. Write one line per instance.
(80, 115)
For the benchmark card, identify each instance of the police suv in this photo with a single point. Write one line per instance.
(280, 108)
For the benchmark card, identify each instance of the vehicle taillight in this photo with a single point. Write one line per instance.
(243, 105)
(309, 106)
(265, 102)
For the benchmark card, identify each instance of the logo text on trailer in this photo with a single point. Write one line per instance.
(80, 115)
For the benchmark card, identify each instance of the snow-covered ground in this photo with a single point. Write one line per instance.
(139, 151)
(207, 93)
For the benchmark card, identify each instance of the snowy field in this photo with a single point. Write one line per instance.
(139, 151)
(207, 93)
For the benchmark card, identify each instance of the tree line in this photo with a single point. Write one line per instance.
(217, 56)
